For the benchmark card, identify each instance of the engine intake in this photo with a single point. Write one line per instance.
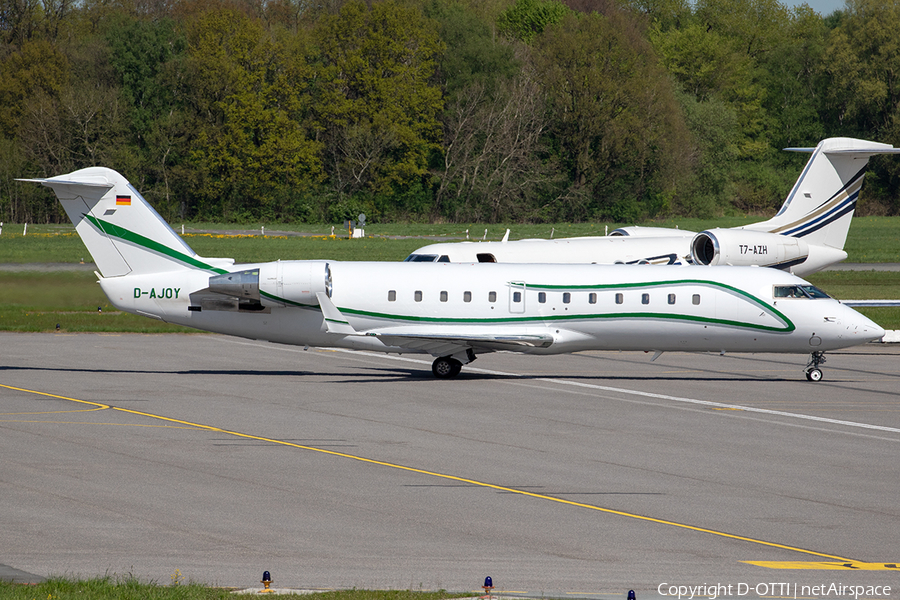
(743, 247)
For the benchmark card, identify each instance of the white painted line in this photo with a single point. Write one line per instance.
(616, 390)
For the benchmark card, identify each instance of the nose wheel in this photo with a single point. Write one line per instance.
(813, 372)
(446, 367)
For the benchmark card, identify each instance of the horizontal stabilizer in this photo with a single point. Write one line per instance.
(89, 181)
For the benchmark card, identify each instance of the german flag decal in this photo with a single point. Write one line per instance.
(123, 200)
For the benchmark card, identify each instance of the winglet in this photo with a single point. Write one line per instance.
(334, 320)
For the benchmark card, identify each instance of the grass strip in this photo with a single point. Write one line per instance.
(130, 588)
(871, 239)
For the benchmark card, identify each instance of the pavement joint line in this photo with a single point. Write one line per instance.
(472, 482)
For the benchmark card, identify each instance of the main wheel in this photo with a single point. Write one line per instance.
(446, 367)
(814, 375)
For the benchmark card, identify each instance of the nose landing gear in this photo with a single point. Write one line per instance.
(813, 372)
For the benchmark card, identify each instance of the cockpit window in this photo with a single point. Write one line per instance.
(421, 258)
(799, 291)
(814, 292)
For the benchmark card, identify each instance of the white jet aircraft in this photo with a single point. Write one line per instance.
(807, 234)
(452, 311)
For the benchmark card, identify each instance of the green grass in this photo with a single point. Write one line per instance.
(871, 239)
(108, 588)
(858, 285)
(31, 301)
(258, 249)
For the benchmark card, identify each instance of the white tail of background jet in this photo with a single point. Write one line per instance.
(122, 232)
(821, 204)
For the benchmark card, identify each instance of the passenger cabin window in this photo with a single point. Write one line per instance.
(671, 298)
(567, 297)
(542, 297)
(620, 298)
(592, 298)
(467, 296)
(443, 296)
(517, 296)
(798, 291)
(492, 296)
(392, 295)
(422, 258)
(695, 299)
(645, 298)
(418, 296)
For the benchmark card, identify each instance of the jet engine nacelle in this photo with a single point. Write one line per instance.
(280, 283)
(742, 247)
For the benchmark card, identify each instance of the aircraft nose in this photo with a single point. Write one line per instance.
(865, 329)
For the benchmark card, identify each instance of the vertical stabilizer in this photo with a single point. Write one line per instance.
(821, 204)
(123, 233)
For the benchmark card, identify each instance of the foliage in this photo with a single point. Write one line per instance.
(620, 135)
(247, 94)
(529, 18)
(861, 92)
(378, 108)
(442, 110)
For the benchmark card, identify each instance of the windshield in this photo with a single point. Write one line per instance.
(799, 291)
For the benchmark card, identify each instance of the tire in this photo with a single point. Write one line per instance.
(446, 367)
(814, 375)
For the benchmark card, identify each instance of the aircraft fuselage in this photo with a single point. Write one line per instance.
(564, 308)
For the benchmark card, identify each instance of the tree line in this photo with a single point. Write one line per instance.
(442, 110)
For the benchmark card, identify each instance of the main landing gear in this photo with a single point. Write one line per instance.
(813, 372)
(448, 367)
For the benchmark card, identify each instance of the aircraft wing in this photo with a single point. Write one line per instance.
(445, 341)
(437, 340)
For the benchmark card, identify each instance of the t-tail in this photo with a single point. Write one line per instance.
(820, 206)
(809, 232)
(122, 232)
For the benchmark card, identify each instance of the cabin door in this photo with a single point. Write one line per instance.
(517, 296)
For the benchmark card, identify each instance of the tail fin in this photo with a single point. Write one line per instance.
(821, 204)
(123, 233)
